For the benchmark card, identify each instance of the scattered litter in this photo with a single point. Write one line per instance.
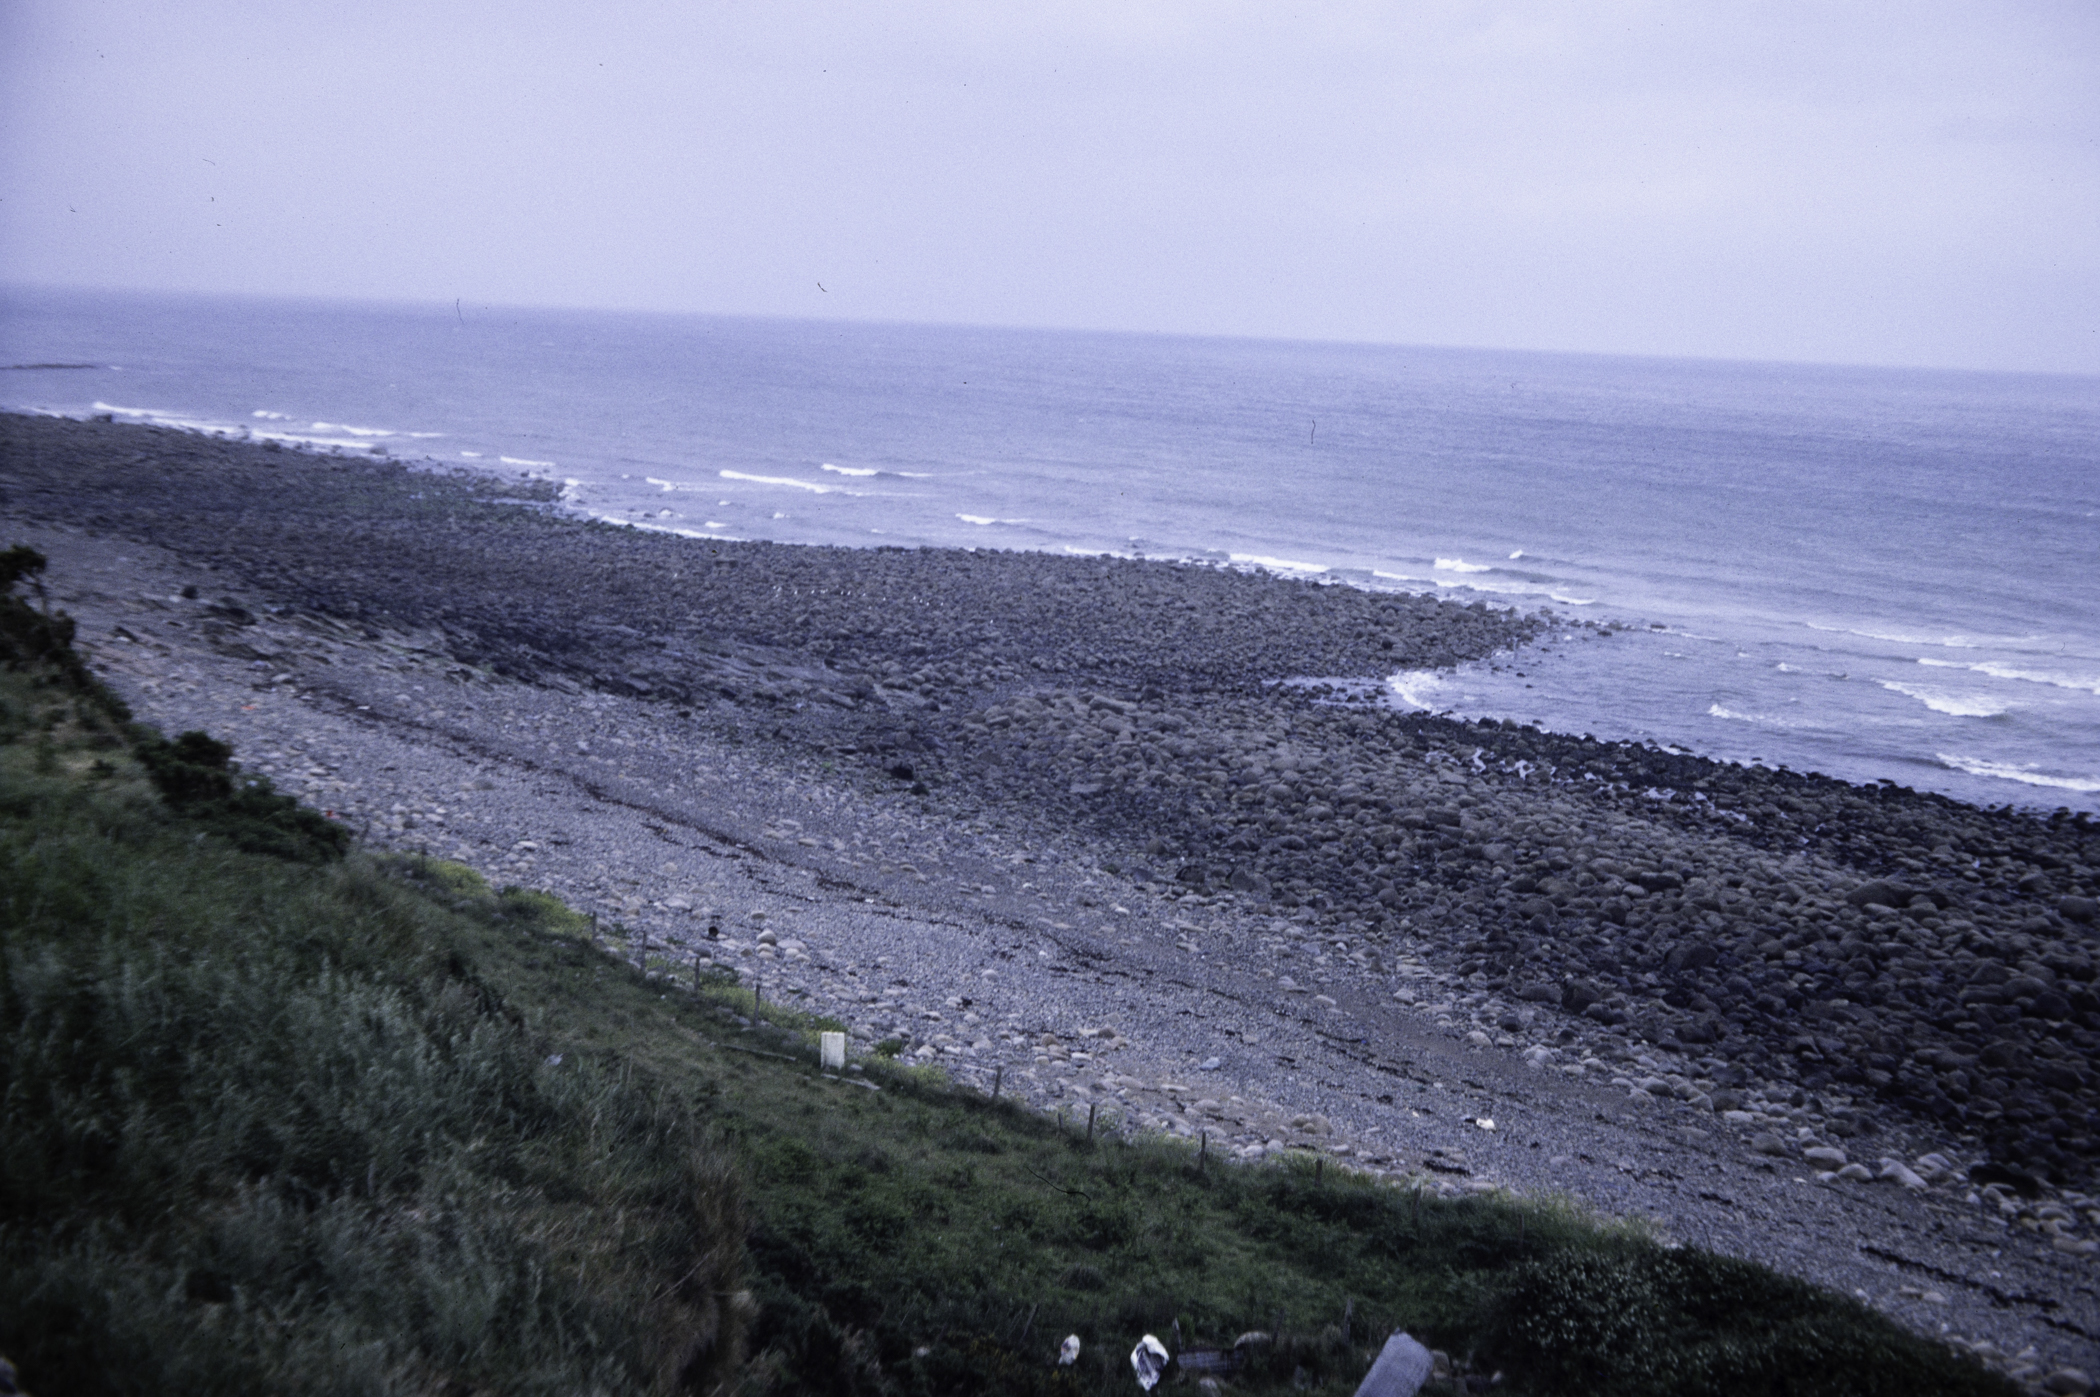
(1149, 1360)
(1210, 1064)
(554, 1059)
(1484, 1123)
(1068, 1351)
(832, 1048)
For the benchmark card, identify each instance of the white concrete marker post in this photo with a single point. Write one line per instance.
(1403, 1366)
(832, 1049)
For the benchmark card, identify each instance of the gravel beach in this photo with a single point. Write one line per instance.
(1126, 838)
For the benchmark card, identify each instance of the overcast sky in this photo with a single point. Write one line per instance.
(1906, 183)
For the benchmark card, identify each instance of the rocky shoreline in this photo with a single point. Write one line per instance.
(1108, 761)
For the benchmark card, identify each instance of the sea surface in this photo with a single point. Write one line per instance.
(1880, 574)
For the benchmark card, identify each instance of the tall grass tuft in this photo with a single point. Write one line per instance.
(263, 1127)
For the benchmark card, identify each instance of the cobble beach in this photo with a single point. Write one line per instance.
(1081, 826)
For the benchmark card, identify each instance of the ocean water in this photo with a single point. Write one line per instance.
(1878, 574)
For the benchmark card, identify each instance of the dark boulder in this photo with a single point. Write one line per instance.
(2013, 1177)
(1882, 891)
(1690, 955)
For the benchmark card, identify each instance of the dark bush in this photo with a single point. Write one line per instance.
(194, 774)
(32, 636)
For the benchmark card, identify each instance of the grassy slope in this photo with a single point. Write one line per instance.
(274, 1126)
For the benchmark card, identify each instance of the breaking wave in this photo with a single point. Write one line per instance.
(2026, 775)
(1941, 701)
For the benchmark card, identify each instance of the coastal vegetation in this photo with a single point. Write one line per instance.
(281, 1115)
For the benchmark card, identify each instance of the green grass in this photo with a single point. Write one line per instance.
(280, 1123)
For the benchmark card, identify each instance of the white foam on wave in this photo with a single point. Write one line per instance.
(668, 486)
(522, 461)
(1396, 576)
(1410, 685)
(175, 421)
(983, 519)
(2002, 671)
(2060, 681)
(1950, 642)
(1765, 720)
(1517, 590)
(645, 526)
(1941, 701)
(1516, 555)
(851, 470)
(268, 416)
(471, 455)
(2027, 775)
(353, 431)
(1461, 565)
(812, 486)
(1257, 560)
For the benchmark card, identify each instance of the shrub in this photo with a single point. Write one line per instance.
(195, 775)
(1644, 1320)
